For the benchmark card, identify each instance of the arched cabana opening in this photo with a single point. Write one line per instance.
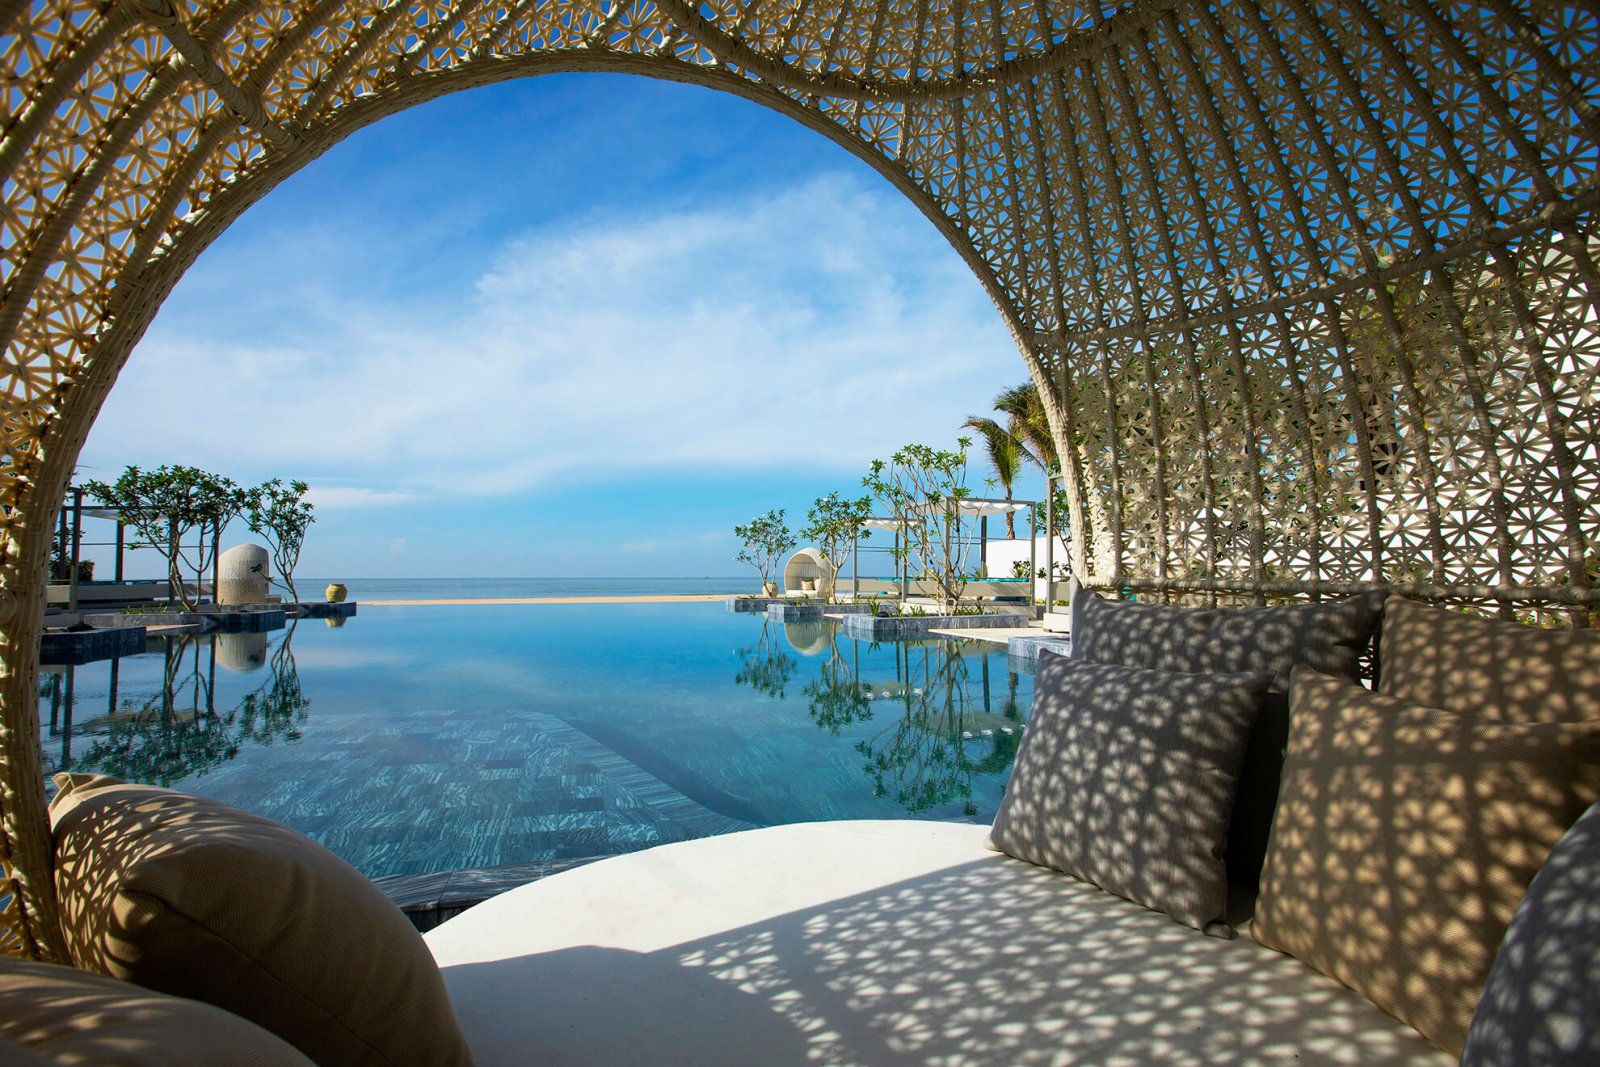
(1310, 291)
(808, 573)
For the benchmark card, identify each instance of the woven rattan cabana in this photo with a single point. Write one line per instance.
(1309, 288)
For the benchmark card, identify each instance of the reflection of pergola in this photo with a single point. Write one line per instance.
(979, 508)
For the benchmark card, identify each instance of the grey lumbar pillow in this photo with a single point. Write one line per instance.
(1126, 779)
(1330, 638)
(1154, 636)
(1542, 999)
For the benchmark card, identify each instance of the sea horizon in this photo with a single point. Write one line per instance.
(488, 588)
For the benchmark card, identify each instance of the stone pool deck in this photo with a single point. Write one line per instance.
(1021, 642)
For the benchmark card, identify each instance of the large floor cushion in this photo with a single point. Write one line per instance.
(876, 942)
(193, 898)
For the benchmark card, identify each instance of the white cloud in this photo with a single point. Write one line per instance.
(823, 324)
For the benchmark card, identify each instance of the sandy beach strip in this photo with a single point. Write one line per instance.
(685, 598)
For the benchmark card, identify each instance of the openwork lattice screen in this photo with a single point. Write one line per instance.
(1310, 286)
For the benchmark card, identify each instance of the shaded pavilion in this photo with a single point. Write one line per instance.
(1308, 289)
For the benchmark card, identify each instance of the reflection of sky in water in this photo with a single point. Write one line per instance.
(417, 738)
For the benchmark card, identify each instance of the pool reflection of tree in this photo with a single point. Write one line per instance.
(765, 666)
(924, 758)
(178, 732)
(946, 727)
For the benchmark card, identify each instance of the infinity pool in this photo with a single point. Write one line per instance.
(416, 739)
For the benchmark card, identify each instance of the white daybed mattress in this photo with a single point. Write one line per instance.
(876, 942)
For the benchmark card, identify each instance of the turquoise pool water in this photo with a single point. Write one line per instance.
(415, 739)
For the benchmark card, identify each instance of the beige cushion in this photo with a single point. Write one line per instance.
(1405, 838)
(194, 898)
(64, 1015)
(1490, 668)
(808, 585)
(1126, 778)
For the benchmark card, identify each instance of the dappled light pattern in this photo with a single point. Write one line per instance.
(1126, 779)
(1542, 998)
(1405, 838)
(1333, 638)
(966, 958)
(1153, 636)
(1495, 670)
(69, 1016)
(948, 971)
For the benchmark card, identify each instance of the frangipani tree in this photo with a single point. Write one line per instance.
(922, 488)
(167, 504)
(282, 515)
(833, 524)
(766, 539)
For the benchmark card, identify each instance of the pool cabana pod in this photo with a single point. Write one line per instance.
(1309, 290)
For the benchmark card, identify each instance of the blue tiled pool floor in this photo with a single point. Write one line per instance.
(435, 790)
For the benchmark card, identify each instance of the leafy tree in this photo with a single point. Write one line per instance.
(282, 515)
(922, 488)
(834, 523)
(166, 505)
(765, 541)
(61, 565)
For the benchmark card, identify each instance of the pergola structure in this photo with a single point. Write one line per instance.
(1308, 286)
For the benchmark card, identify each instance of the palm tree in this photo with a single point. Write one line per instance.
(1005, 456)
(1027, 422)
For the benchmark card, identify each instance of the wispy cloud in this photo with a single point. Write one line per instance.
(824, 324)
(345, 497)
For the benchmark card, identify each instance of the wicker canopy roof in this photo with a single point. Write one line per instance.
(1309, 288)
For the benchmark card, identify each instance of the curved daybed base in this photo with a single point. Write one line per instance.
(876, 942)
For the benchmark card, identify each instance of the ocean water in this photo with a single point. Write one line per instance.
(490, 588)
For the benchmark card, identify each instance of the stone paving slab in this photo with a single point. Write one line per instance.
(998, 635)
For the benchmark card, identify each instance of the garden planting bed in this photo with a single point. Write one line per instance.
(83, 646)
(224, 620)
(789, 611)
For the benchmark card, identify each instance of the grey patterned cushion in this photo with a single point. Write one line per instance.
(1126, 779)
(1153, 636)
(1492, 669)
(1330, 638)
(1542, 997)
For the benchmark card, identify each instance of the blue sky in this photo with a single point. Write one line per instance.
(575, 325)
